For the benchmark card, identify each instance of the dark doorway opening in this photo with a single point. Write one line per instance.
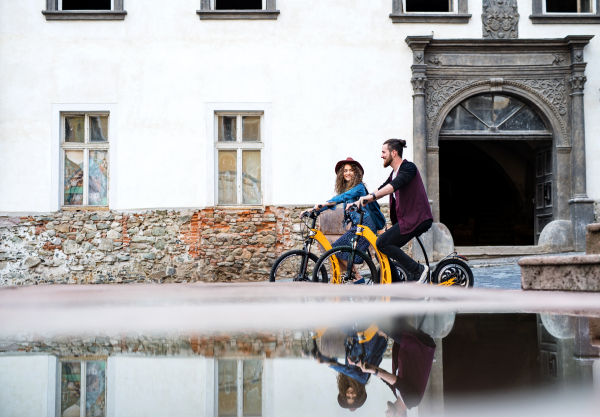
(238, 4)
(487, 191)
(490, 353)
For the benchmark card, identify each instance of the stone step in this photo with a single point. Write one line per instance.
(483, 252)
(593, 239)
(561, 273)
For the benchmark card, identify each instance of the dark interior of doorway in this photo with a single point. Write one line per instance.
(487, 190)
(490, 353)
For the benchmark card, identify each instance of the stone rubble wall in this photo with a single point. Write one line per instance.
(281, 344)
(154, 246)
(105, 247)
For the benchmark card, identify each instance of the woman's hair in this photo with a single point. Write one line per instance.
(396, 145)
(344, 382)
(340, 183)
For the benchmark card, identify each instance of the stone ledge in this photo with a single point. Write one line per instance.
(570, 19)
(561, 273)
(238, 14)
(430, 18)
(84, 14)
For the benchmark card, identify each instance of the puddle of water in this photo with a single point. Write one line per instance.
(288, 350)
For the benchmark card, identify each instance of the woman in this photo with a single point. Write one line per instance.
(349, 188)
(351, 380)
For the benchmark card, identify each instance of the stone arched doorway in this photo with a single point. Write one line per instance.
(495, 172)
(539, 117)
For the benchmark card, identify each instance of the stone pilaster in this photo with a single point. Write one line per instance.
(419, 82)
(581, 206)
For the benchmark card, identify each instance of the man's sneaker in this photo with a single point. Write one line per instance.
(423, 272)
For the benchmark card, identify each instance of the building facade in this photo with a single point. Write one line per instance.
(143, 142)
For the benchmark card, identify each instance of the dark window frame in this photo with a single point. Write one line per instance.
(207, 13)
(539, 16)
(460, 16)
(52, 12)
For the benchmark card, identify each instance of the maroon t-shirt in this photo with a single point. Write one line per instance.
(409, 198)
(411, 363)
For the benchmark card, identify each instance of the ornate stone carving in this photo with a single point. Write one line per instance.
(419, 83)
(577, 83)
(418, 55)
(554, 91)
(440, 91)
(435, 60)
(578, 56)
(558, 59)
(500, 19)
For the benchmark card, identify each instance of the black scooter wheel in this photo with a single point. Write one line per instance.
(453, 272)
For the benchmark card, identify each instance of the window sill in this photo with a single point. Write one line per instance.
(570, 19)
(238, 14)
(430, 18)
(84, 208)
(84, 14)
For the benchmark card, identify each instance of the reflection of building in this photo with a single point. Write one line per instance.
(264, 374)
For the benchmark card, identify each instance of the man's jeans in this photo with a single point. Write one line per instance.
(391, 242)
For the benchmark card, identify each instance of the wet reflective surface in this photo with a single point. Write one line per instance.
(296, 350)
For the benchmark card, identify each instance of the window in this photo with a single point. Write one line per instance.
(493, 114)
(239, 5)
(569, 6)
(238, 10)
(430, 11)
(565, 11)
(84, 10)
(83, 388)
(84, 5)
(239, 159)
(428, 6)
(85, 159)
(239, 385)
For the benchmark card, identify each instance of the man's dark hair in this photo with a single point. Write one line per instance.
(396, 145)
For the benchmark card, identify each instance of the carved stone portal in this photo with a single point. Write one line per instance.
(500, 19)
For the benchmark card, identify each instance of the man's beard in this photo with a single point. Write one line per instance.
(387, 161)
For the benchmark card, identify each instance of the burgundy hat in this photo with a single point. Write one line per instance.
(345, 161)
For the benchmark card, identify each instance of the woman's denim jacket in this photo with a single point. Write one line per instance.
(374, 350)
(350, 197)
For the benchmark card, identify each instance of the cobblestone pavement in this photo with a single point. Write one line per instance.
(501, 273)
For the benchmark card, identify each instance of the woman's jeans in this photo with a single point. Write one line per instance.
(391, 242)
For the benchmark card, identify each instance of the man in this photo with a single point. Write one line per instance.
(409, 208)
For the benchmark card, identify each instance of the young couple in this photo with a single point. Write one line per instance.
(409, 207)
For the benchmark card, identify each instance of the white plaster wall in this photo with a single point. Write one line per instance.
(337, 74)
(303, 388)
(24, 386)
(159, 387)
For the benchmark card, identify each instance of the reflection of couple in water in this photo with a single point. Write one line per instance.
(412, 358)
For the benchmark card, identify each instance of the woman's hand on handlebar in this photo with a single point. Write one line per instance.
(366, 367)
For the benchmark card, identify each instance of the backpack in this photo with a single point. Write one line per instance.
(376, 214)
